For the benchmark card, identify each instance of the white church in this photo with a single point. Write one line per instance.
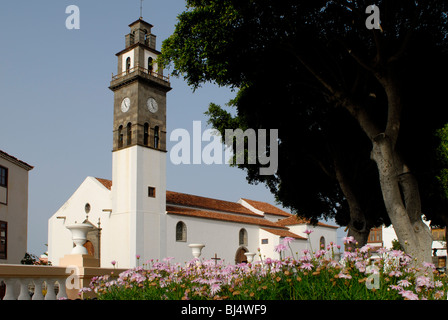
(133, 218)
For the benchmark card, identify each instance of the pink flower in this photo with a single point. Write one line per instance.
(365, 248)
(113, 262)
(395, 287)
(307, 266)
(408, 295)
(422, 281)
(430, 265)
(396, 253)
(348, 239)
(344, 276)
(404, 283)
(215, 288)
(308, 231)
(281, 247)
(287, 240)
(395, 273)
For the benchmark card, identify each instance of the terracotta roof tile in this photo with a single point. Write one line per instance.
(267, 208)
(206, 203)
(106, 183)
(221, 216)
(284, 233)
(294, 220)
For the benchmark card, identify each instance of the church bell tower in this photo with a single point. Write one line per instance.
(139, 150)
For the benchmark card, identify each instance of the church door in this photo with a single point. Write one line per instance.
(90, 248)
(240, 257)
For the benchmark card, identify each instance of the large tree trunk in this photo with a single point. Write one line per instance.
(358, 228)
(402, 201)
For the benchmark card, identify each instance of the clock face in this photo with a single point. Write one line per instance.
(125, 104)
(152, 105)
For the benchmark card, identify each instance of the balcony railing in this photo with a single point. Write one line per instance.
(26, 282)
(143, 72)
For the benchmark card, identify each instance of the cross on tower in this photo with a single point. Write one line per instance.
(141, 9)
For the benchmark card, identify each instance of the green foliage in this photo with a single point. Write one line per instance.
(31, 259)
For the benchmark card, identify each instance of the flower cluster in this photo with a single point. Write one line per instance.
(356, 274)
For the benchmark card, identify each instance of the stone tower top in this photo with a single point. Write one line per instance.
(141, 33)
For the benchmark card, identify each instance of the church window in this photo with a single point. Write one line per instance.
(243, 237)
(120, 136)
(156, 137)
(151, 192)
(146, 134)
(3, 239)
(181, 231)
(322, 243)
(128, 64)
(264, 241)
(87, 208)
(150, 65)
(129, 133)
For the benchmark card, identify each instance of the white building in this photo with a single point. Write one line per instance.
(134, 215)
(13, 208)
(383, 237)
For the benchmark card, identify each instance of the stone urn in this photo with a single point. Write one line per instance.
(196, 249)
(79, 236)
(250, 256)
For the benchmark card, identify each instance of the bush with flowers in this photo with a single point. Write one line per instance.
(358, 275)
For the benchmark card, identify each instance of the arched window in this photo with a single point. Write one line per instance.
(150, 69)
(243, 237)
(156, 137)
(120, 137)
(322, 243)
(128, 64)
(129, 133)
(146, 134)
(181, 231)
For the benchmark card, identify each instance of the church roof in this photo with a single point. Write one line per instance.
(106, 183)
(284, 233)
(294, 220)
(267, 208)
(204, 214)
(206, 203)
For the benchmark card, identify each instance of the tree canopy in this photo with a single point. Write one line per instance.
(361, 112)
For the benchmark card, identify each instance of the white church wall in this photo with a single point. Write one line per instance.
(59, 237)
(329, 234)
(267, 244)
(219, 237)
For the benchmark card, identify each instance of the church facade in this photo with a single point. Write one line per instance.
(134, 218)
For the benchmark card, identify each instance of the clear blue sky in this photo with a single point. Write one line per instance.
(56, 109)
